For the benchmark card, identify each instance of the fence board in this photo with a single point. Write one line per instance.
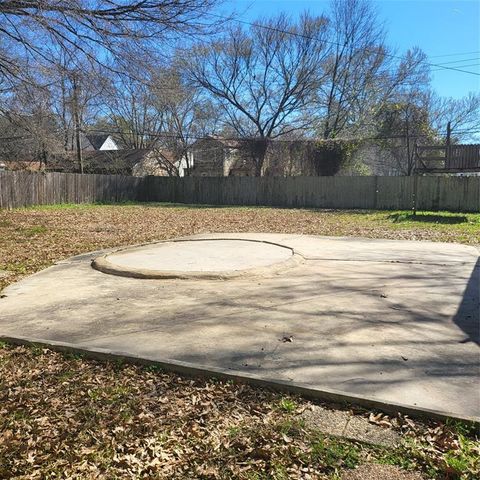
(19, 189)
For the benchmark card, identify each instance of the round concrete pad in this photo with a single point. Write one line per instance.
(198, 258)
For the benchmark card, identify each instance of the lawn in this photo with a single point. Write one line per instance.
(34, 238)
(63, 416)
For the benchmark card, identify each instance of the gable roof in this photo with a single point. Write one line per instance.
(221, 141)
(114, 160)
(121, 161)
(93, 140)
(97, 140)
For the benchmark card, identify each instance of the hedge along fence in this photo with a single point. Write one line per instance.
(19, 189)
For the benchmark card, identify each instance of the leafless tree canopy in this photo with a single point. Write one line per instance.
(362, 73)
(141, 71)
(40, 29)
(161, 111)
(463, 114)
(264, 80)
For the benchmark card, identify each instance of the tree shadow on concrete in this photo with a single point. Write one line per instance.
(467, 317)
(402, 340)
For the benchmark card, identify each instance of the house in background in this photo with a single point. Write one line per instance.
(135, 162)
(219, 157)
(95, 142)
(102, 155)
(454, 159)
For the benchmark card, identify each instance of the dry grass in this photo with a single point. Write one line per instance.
(65, 417)
(34, 238)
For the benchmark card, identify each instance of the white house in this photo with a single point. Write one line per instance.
(95, 142)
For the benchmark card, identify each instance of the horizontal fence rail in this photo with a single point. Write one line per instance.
(21, 189)
(448, 158)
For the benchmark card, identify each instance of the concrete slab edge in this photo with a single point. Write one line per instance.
(203, 236)
(191, 370)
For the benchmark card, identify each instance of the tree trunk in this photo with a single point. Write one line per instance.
(258, 148)
(76, 119)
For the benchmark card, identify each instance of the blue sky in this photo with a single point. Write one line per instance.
(439, 27)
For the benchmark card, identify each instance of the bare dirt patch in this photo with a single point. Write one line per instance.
(380, 472)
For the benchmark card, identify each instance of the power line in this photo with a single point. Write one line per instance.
(440, 66)
(461, 61)
(462, 132)
(308, 37)
(463, 66)
(454, 54)
(172, 136)
(167, 135)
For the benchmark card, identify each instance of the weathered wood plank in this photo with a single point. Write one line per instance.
(19, 189)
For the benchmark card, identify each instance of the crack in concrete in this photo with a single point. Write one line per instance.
(405, 262)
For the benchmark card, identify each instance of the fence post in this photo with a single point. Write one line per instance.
(414, 196)
(23, 189)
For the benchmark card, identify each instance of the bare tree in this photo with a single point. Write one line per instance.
(462, 114)
(78, 91)
(402, 126)
(187, 114)
(263, 79)
(161, 112)
(39, 29)
(361, 73)
(132, 114)
(30, 127)
(355, 63)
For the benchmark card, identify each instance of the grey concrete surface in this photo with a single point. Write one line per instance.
(219, 258)
(395, 321)
(341, 423)
(202, 256)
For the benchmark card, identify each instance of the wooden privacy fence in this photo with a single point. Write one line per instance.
(22, 189)
(18, 189)
(449, 158)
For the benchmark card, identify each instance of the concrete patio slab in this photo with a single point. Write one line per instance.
(391, 321)
(218, 258)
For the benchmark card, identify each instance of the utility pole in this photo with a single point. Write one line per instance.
(76, 121)
(447, 146)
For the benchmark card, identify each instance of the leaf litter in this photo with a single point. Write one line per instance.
(66, 417)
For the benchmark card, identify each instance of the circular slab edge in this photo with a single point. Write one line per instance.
(104, 265)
